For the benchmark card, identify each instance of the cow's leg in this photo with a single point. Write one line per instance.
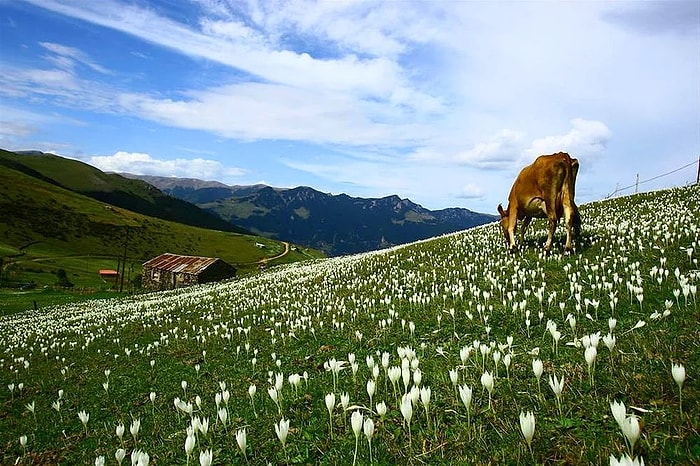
(512, 222)
(571, 216)
(552, 225)
(523, 227)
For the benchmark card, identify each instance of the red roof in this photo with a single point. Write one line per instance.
(180, 264)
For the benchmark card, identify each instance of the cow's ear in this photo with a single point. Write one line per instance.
(501, 211)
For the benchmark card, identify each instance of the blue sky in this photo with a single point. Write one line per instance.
(440, 102)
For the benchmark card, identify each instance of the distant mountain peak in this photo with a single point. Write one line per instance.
(171, 181)
(31, 152)
(334, 223)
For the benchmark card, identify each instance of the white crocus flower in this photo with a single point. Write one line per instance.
(84, 418)
(206, 457)
(282, 430)
(407, 412)
(356, 421)
(488, 383)
(330, 405)
(465, 393)
(368, 428)
(241, 440)
(527, 426)
(381, 409)
(678, 373)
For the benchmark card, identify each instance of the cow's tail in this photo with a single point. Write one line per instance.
(569, 192)
(576, 222)
(574, 173)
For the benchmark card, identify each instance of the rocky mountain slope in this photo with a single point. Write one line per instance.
(335, 224)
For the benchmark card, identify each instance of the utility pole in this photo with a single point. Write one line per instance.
(636, 184)
(126, 243)
(119, 267)
(697, 179)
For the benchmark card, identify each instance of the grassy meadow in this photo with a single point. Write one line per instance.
(420, 354)
(45, 228)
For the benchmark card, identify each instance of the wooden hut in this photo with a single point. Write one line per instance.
(169, 271)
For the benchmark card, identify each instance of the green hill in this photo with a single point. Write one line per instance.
(134, 195)
(443, 333)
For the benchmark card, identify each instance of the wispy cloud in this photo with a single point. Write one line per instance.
(63, 87)
(252, 111)
(471, 191)
(586, 138)
(145, 164)
(500, 152)
(68, 57)
(233, 44)
(20, 129)
(357, 96)
(14, 129)
(509, 149)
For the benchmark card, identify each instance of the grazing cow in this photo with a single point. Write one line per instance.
(544, 189)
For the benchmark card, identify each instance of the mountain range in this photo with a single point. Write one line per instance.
(335, 224)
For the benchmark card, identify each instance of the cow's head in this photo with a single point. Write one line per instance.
(504, 222)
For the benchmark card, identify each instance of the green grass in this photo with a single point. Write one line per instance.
(42, 273)
(453, 290)
(14, 301)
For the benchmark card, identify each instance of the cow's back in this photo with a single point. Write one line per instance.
(550, 178)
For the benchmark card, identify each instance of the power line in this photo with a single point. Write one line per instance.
(637, 183)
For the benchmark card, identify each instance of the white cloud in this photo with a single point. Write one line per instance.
(13, 129)
(63, 88)
(49, 80)
(353, 97)
(500, 152)
(586, 138)
(20, 127)
(375, 77)
(374, 29)
(67, 57)
(252, 111)
(232, 30)
(144, 164)
(509, 150)
(471, 191)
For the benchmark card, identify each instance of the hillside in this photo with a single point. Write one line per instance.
(336, 224)
(44, 227)
(130, 194)
(434, 342)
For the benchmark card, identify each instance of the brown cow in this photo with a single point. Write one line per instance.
(544, 189)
